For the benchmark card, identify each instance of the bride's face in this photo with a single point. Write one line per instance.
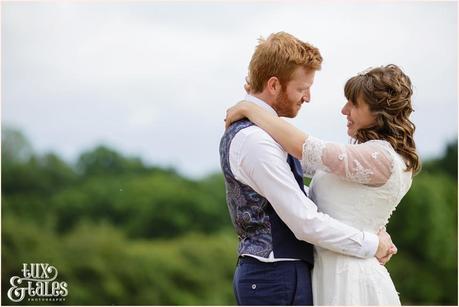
(358, 116)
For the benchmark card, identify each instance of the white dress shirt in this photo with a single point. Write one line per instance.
(258, 161)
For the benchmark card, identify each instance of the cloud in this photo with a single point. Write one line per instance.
(155, 78)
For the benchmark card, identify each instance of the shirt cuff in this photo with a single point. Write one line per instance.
(370, 244)
(306, 189)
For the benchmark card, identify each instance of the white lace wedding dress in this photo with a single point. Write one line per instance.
(360, 185)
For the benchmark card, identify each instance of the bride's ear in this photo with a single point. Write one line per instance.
(273, 86)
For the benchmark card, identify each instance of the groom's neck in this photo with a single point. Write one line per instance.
(266, 98)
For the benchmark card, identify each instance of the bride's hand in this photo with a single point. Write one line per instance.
(236, 112)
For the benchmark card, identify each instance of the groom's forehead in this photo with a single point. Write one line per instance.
(302, 81)
(303, 76)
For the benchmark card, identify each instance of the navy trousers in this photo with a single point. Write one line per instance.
(277, 283)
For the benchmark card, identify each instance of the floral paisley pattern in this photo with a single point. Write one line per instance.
(260, 230)
(247, 208)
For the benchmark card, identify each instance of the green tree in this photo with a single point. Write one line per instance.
(446, 164)
(105, 161)
(424, 228)
(15, 146)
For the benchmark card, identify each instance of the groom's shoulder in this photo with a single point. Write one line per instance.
(254, 133)
(253, 137)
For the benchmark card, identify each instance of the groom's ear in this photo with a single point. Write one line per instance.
(273, 86)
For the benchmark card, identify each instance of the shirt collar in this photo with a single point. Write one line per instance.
(260, 103)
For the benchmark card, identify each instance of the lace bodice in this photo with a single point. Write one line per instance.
(359, 184)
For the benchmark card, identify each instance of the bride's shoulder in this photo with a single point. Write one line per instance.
(381, 144)
(395, 157)
(385, 148)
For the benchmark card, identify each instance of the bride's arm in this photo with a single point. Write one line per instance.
(368, 163)
(287, 135)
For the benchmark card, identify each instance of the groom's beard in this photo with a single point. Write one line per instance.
(285, 106)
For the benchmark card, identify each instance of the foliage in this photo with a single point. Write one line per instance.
(15, 146)
(102, 266)
(424, 228)
(122, 232)
(446, 164)
(105, 161)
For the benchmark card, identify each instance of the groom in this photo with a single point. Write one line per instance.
(268, 205)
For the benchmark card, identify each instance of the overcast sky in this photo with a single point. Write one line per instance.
(153, 79)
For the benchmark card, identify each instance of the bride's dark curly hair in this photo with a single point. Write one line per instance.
(387, 91)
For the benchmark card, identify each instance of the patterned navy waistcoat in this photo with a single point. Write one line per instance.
(259, 228)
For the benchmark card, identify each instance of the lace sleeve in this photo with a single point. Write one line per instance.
(369, 163)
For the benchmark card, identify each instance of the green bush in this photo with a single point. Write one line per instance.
(102, 266)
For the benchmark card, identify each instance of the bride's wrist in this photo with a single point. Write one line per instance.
(246, 108)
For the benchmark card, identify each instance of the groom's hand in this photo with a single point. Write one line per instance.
(386, 249)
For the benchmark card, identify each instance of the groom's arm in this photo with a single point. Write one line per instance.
(258, 161)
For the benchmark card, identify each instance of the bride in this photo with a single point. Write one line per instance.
(359, 184)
